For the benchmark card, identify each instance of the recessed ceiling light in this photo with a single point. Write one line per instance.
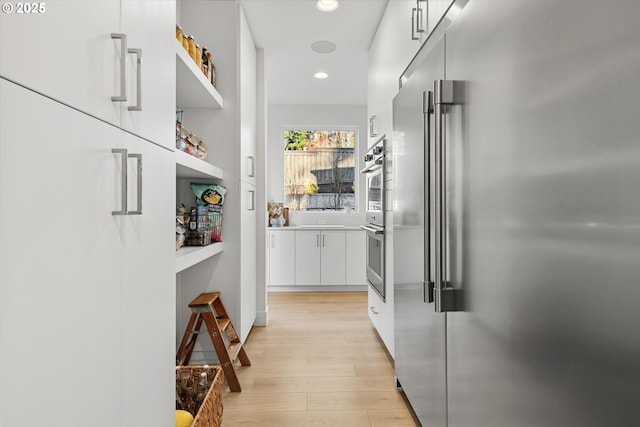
(321, 75)
(327, 5)
(323, 46)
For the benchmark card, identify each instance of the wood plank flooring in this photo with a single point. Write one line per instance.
(318, 363)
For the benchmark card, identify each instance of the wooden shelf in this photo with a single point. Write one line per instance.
(191, 255)
(193, 90)
(188, 166)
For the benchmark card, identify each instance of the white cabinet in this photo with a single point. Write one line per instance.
(282, 249)
(90, 290)
(69, 53)
(332, 258)
(248, 102)
(391, 52)
(315, 257)
(320, 257)
(150, 84)
(355, 257)
(248, 255)
(307, 257)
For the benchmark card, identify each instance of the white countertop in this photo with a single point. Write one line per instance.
(317, 227)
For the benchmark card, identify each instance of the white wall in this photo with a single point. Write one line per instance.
(283, 116)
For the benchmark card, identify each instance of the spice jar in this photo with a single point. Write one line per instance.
(185, 42)
(205, 63)
(198, 57)
(192, 48)
(212, 69)
(179, 34)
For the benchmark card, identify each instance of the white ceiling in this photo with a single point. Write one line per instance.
(285, 29)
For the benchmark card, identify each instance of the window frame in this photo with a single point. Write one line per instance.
(356, 171)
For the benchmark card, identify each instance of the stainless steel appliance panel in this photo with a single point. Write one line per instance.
(419, 330)
(545, 156)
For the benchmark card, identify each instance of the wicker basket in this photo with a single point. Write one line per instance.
(210, 412)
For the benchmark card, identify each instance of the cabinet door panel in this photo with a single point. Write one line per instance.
(147, 24)
(60, 269)
(307, 258)
(282, 251)
(355, 258)
(66, 53)
(332, 262)
(248, 258)
(148, 293)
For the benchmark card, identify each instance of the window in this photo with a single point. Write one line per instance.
(319, 169)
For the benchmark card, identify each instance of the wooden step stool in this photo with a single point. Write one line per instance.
(208, 307)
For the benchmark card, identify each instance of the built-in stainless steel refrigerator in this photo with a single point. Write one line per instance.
(516, 234)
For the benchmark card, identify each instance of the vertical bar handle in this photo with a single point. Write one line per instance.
(123, 71)
(273, 241)
(427, 110)
(123, 187)
(253, 200)
(413, 24)
(138, 106)
(372, 131)
(323, 240)
(317, 240)
(138, 157)
(252, 167)
(419, 19)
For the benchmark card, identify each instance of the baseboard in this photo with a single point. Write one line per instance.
(262, 318)
(327, 288)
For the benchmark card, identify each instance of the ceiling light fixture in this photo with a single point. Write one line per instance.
(321, 75)
(323, 46)
(327, 5)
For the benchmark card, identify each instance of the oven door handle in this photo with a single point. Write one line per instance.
(374, 167)
(372, 229)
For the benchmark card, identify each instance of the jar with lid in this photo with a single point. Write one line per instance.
(212, 69)
(205, 63)
(198, 57)
(179, 34)
(185, 42)
(192, 47)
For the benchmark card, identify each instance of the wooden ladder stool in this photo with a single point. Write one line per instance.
(208, 307)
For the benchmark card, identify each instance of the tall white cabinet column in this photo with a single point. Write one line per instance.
(87, 299)
(230, 134)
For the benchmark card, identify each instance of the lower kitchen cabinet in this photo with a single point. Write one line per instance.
(316, 257)
(320, 258)
(281, 264)
(84, 294)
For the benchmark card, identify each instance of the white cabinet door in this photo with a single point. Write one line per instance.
(307, 256)
(148, 25)
(248, 102)
(355, 257)
(248, 258)
(148, 288)
(60, 262)
(282, 249)
(66, 53)
(332, 258)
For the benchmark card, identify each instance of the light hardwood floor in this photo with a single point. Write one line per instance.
(318, 363)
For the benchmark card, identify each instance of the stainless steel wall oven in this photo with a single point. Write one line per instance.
(374, 161)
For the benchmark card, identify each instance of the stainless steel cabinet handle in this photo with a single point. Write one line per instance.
(273, 241)
(419, 28)
(253, 200)
(123, 71)
(252, 167)
(372, 131)
(446, 92)
(413, 24)
(138, 53)
(138, 157)
(373, 310)
(427, 110)
(123, 175)
(317, 240)
(323, 240)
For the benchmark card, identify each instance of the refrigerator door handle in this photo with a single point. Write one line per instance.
(447, 298)
(427, 110)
